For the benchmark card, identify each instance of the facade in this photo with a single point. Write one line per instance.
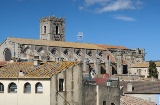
(53, 83)
(146, 90)
(142, 69)
(52, 47)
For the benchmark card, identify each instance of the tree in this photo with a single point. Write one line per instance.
(152, 69)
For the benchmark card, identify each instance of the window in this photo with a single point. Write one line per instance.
(44, 29)
(104, 102)
(1, 88)
(57, 30)
(112, 104)
(39, 88)
(7, 55)
(12, 88)
(27, 88)
(61, 84)
(108, 57)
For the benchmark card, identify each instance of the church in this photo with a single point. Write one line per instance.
(52, 47)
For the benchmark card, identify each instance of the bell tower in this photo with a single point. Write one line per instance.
(52, 28)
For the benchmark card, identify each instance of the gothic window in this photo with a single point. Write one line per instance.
(66, 52)
(39, 88)
(78, 52)
(90, 53)
(1, 88)
(100, 54)
(54, 51)
(27, 88)
(7, 55)
(41, 51)
(12, 88)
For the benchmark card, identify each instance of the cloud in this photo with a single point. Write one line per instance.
(124, 18)
(101, 6)
(92, 2)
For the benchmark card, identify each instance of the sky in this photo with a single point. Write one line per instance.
(130, 23)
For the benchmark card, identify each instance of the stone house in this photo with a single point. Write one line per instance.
(53, 83)
(142, 69)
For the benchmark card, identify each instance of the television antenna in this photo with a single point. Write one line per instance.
(80, 36)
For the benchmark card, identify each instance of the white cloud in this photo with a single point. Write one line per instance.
(92, 2)
(124, 18)
(101, 6)
(117, 5)
(81, 7)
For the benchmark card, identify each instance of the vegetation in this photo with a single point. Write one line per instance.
(152, 70)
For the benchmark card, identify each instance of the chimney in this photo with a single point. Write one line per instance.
(21, 73)
(36, 61)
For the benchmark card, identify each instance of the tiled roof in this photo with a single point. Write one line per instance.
(112, 47)
(2, 63)
(142, 86)
(44, 70)
(56, 43)
(144, 65)
(129, 100)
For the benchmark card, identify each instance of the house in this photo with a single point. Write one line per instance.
(142, 69)
(146, 90)
(53, 83)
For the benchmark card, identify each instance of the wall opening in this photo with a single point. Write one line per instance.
(45, 28)
(1, 88)
(103, 71)
(125, 69)
(57, 30)
(114, 71)
(104, 103)
(113, 104)
(61, 84)
(7, 55)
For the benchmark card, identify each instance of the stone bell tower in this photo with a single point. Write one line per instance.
(52, 28)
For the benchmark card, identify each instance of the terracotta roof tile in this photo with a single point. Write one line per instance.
(130, 100)
(47, 69)
(112, 47)
(2, 63)
(144, 64)
(56, 43)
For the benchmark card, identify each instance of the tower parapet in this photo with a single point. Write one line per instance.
(52, 28)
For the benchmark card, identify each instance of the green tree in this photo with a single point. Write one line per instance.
(152, 69)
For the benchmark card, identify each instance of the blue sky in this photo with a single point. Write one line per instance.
(130, 23)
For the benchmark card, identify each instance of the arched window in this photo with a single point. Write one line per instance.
(12, 88)
(54, 51)
(7, 55)
(1, 88)
(66, 52)
(39, 88)
(90, 53)
(41, 51)
(27, 88)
